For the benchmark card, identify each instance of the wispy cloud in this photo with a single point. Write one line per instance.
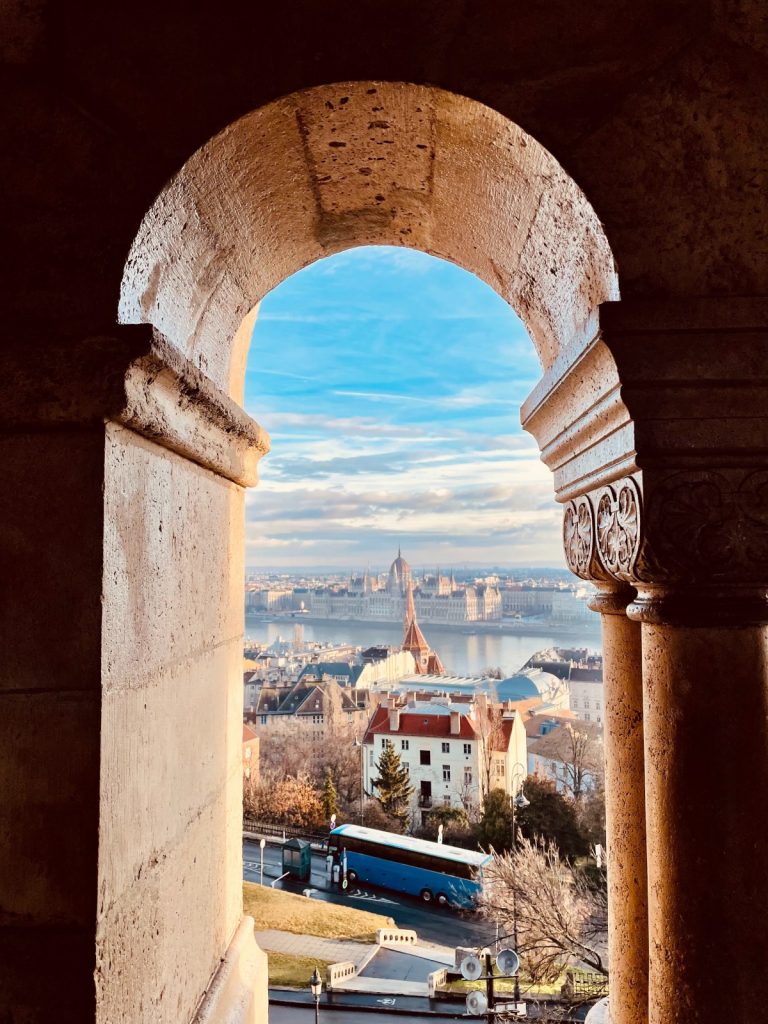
(390, 383)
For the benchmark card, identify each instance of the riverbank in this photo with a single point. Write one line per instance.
(510, 627)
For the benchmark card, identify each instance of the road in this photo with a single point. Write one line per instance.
(432, 923)
(306, 1015)
(297, 1006)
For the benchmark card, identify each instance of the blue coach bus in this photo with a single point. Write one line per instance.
(433, 871)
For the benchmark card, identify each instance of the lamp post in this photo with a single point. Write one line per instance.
(519, 802)
(316, 984)
(359, 743)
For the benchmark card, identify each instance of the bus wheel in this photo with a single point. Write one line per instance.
(442, 899)
(351, 877)
(426, 895)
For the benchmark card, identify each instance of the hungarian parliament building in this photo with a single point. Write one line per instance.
(437, 598)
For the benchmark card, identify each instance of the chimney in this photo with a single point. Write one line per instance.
(394, 719)
(455, 723)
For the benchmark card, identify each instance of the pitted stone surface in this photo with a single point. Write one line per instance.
(365, 163)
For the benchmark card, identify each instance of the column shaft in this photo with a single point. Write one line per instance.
(706, 730)
(625, 811)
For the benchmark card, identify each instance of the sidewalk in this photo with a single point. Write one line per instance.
(382, 971)
(333, 950)
(394, 1005)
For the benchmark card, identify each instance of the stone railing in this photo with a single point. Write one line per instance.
(436, 980)
(339, 972)
(396, 937)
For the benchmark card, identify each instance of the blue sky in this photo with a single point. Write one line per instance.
(391, 383)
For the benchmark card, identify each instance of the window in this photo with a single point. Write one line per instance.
(248, 753)
(447, 800)
(446, 773)
(425, 757)
(406, 765)
(467, 776)
(263, 719)
(370, 757)
(384, 742)
(587, 717)
(467, 748)
(499, 767)
(247, 771)
(446, 748)
(403, 744)
(317, 719)
(597, 705)
(586, 702)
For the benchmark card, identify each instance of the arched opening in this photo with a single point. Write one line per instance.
(390, 382)
(365, 163)
(311, 175)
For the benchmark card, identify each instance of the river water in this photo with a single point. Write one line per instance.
(461, 652)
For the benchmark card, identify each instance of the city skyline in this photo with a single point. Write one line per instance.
(390, 383)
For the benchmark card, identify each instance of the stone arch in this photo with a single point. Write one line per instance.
(365, 163)
(304, 177)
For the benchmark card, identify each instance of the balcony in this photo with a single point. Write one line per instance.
(424, 800)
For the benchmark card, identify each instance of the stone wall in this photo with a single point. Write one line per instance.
(171, 736)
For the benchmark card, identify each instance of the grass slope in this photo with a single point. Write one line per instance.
(286, 912)
(287, 971)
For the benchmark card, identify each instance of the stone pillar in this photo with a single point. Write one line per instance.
(625, 806)
(121, 622)
(657, 435)
(706, 730)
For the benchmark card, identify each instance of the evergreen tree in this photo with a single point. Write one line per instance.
(330, 797)
(552, 817)
(496, 823)
(393, 784)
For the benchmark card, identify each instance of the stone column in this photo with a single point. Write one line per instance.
(657, 436)
(706, 732)
(625, 806)
(121, 622)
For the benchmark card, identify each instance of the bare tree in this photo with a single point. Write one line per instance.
(577, 747)
(559, 914)
(489, 723)
(286, 800)
(290, 747)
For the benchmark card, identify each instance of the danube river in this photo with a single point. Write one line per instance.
(462, 652)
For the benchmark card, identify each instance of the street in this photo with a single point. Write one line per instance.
(297, 1007)
(432, 923)
(306, 1015)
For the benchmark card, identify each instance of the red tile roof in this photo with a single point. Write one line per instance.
(418, 724)
(248, 734)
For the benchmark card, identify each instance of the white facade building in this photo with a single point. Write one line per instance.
(586, 694)
(455, 751)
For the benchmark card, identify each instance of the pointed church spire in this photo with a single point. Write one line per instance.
(425, 659)
(410, 608)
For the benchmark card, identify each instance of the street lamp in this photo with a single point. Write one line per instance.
(316, 984)
(519, 803)
(358, 743)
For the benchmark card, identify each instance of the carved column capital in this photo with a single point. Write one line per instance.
(692, 542)
(601, 532)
